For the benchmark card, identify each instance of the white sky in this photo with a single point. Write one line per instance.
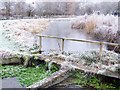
(30, 1)
(73, 0)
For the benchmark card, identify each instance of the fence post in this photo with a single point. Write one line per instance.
(62, 44)
(100, 52)
(40, 48)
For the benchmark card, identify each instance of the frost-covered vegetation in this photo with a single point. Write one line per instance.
(22, 33)
(98, 24)
(8, 57)
(106, 64)
(12, 10)
(100, 27)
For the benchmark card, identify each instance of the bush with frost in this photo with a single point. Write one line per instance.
(97, 23)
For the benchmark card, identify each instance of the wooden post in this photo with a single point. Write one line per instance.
(62, 44)
(100, 52)
(40, 48)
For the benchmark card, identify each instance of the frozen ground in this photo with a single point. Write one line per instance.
(19, 35)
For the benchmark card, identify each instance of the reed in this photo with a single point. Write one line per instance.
(90, 26)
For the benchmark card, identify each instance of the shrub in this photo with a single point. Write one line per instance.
(78, 25)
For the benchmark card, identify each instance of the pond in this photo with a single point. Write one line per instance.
(63, 29)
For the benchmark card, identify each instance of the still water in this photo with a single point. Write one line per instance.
(63, 29)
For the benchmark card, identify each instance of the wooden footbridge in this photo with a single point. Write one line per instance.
(76, 40)
(66, 67)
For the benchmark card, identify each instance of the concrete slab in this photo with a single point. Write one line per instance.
(10, 83)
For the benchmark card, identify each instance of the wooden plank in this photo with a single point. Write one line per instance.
(55, 78)
(82, 69)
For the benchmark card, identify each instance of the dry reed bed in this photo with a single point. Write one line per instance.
(100, 27)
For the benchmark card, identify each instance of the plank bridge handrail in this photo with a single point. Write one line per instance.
(78, 40)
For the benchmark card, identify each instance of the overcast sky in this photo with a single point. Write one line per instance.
(29, 1)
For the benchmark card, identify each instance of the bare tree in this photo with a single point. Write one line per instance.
(20, 8)
(7, 7)
(70, 7)
(89, 9)
(55, 8)
(108, 7)
(30, 10)
(39, 8)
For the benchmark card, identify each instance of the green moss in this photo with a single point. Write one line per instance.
(26, 76)
(85, 80)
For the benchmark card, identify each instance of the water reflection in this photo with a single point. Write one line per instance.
(63, 29)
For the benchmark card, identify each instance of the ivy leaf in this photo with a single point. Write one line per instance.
(36, 57)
